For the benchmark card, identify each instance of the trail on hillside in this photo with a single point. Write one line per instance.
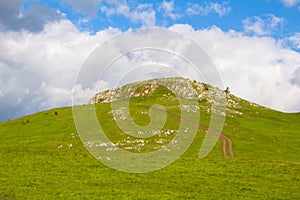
(223, 137)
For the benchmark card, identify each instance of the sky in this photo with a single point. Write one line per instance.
(254, 44)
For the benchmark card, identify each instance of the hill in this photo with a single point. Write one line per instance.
(42, 156)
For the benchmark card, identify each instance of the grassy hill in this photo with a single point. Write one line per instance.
(42, 156)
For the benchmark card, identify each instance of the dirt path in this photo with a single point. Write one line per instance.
(223, 137)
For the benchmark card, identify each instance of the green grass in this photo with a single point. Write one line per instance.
(266, 165)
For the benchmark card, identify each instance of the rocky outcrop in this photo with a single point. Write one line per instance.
(184, 88)
(181, 87)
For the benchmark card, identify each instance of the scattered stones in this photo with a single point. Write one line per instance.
(73, 135)
(181, 87)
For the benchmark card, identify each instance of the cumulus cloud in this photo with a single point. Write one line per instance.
(197, 9)
(14, 17)
(37, 70)
(257, 69)
(296, 77)
(168, 9)
(142, 13)
(290, 3)
(264, 25)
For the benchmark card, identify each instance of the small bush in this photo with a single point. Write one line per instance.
(205, 87)
(25, 121)
(227, 90)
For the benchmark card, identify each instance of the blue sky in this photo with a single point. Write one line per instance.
(93, 15)
(254, 44)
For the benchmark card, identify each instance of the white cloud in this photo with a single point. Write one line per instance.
(143, 13)
(82, 95)
(264, 25)
(295, 40)
(290, 3)
(37, 70)
(296, 77)
(168, 9)
(220, 9)
(257, 69)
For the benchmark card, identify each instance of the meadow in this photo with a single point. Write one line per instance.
(42, 157)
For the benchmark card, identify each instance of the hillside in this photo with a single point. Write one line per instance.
(42, 156)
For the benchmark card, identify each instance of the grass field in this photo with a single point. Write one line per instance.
(42, 157)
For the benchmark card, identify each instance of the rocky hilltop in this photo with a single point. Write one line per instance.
(181, 87)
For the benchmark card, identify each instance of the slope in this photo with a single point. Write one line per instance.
(42, 156)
